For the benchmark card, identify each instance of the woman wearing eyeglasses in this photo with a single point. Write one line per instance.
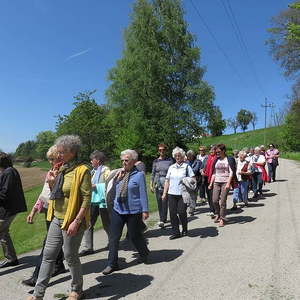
(130, 207)
(224, 175)
(160, 168)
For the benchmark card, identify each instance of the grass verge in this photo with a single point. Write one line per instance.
(291, 155)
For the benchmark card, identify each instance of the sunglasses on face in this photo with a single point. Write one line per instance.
(218, 152)
(124, 160)
(161, 150)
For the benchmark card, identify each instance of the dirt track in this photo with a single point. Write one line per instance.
(31, 177)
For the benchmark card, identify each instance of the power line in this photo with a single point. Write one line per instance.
(241, 41)
(217, 42)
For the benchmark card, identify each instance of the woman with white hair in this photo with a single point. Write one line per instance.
(69, 213)
(258, 162)
(172, 190)
(130, 207)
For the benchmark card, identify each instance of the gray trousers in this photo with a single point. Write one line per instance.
(88, 237)
(5, 240)
(55, 239)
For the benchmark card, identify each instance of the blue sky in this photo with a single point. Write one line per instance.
(52, 49)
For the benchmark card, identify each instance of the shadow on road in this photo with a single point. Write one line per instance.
(240, 220)
(281, 180)
(24, 263)
(117, 286)
(203, 232)
(255, 205)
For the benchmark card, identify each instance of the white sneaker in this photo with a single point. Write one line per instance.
(210, 214)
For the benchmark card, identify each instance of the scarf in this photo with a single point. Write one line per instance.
(96, 173)
(57, 192)
(124, 186)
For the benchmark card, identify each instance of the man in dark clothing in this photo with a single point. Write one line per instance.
(12, 201)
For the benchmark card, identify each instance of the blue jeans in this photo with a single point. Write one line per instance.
(243, 191)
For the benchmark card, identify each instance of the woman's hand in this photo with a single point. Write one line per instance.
(164, 197)
(145, 215)
(29, 218)
(210, 187)
(73, 228)
(227, 186)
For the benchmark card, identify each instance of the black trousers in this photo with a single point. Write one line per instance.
(203, 186)
(272, 171)
(177, 208)
(59, 260)
(133, 222)
(162, 206)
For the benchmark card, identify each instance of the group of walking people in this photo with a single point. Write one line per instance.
(75, 194)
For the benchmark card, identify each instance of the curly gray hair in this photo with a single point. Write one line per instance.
(71, 143)
(178, 150)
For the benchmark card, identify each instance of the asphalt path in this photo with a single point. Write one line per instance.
(255, 256)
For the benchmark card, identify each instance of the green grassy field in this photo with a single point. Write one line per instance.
(244, 139)
(28, 237)
(44, 165)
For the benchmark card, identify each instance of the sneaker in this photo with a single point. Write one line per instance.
(234, 207)
(86, 252)
(29, 282)
(161, 224)
(210, 214)
(221, 223)
(108, 270)
(75, 296)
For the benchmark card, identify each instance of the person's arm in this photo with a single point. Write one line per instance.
(152, 176)
(228, 183)
(143, 196)
(166, 189)
(212, 181)
(85, 191)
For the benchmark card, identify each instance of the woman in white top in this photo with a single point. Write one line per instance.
(172, 191)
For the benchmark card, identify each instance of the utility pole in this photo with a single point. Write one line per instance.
(266, 106)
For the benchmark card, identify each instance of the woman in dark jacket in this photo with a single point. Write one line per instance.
(12, 201)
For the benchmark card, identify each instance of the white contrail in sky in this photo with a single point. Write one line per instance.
(78, 54)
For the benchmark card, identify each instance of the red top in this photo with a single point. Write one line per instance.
(208, 170)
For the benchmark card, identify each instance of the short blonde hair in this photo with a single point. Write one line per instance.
(131, 153)
(52, 153)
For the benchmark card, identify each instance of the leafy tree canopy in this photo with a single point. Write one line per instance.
(244, 117)
(157, 93)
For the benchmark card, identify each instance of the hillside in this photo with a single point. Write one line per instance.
(240, 140)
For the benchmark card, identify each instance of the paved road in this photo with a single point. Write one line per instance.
(255, 256)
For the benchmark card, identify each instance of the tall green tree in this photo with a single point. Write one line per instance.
(232, 123)
(216, 125)
(88, 120)
(44, 140)
(291, 132)
(157, 92)
(244, 117)
(26, 150)
(284, 40)
(253, 119)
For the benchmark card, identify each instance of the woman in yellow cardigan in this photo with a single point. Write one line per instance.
(68, 212)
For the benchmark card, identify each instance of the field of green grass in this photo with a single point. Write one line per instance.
(28, 237)
(244, 139)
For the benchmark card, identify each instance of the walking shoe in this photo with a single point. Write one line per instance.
(217, 219)
(6, 263)
(175, 236)
(143, 259)
(109, 270)
(184, 233)
(33, 298)
(75, 296)
(210, 214)
(86, 252)
(59, 270)
(234, 207)
(29, 282)
(221, 223)
(161, 224)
